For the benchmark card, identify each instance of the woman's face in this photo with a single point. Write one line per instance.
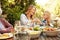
(46, 15)
(32, 11)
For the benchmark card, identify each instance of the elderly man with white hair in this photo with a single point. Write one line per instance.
(5, 26)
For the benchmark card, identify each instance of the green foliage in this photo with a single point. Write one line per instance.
(57, 10)
(39, 11)
(14, 8)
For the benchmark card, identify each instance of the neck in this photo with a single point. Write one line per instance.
(28, 16)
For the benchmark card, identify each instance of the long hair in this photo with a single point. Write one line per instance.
(28, 10)
(49, 17)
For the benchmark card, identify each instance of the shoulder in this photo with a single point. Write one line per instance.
(2, 19)
(23, 15)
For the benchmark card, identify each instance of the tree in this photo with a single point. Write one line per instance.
(14, 8)
(57, 9)
(39, 11)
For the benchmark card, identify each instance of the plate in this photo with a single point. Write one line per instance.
(33, 32)
(51, 33)
(6, 35)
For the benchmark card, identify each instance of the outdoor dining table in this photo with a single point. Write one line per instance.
(41, 37)
(47, 38)
(12, 38)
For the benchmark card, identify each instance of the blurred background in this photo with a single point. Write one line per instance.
(12, 9)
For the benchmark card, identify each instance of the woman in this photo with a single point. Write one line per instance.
(28, 17)
(47, 19)
(5, 26)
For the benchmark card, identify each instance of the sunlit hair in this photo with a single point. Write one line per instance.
(47, 13)
(29, 10)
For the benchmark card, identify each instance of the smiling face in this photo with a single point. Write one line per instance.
(46, 15)
(32, 11)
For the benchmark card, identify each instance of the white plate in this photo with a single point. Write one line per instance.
(33, 32)
(3, 37)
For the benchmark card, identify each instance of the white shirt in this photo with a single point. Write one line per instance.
(25, 21)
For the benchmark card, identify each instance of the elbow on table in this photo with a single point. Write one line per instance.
(4, 31)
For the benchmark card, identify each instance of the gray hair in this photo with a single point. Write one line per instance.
(0, 4)
(0, 9)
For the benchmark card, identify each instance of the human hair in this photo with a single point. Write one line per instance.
(29, 10)
(48, 19)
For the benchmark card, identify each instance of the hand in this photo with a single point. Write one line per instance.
(4, 31)
(36, 20)
(10, 29)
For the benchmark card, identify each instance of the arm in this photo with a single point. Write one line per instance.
(4, 31)
(7, 25)
(36, 20)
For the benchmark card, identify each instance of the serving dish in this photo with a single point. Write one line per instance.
(6, 35)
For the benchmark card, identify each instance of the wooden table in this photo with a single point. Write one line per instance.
(42, 37)
(47, 38)
(8, 39)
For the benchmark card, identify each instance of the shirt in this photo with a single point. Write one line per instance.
(25, 21)
(5, 25)
(1, 26)
(44, 23)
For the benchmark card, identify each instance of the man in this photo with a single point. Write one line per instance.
(5, 26)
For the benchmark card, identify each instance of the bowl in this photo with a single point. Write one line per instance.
(51, 33)
(34, 34)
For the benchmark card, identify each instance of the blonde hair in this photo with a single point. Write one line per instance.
(49, 16)
(28, 10)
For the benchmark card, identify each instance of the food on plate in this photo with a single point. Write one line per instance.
(23, 28)
(33, 32)
(30, 28)
(49, 29)
(5, 35)
(36, 28)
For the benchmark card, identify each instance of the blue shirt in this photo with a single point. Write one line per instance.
(44, 23)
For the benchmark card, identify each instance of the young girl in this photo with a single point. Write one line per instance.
(46, 19)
